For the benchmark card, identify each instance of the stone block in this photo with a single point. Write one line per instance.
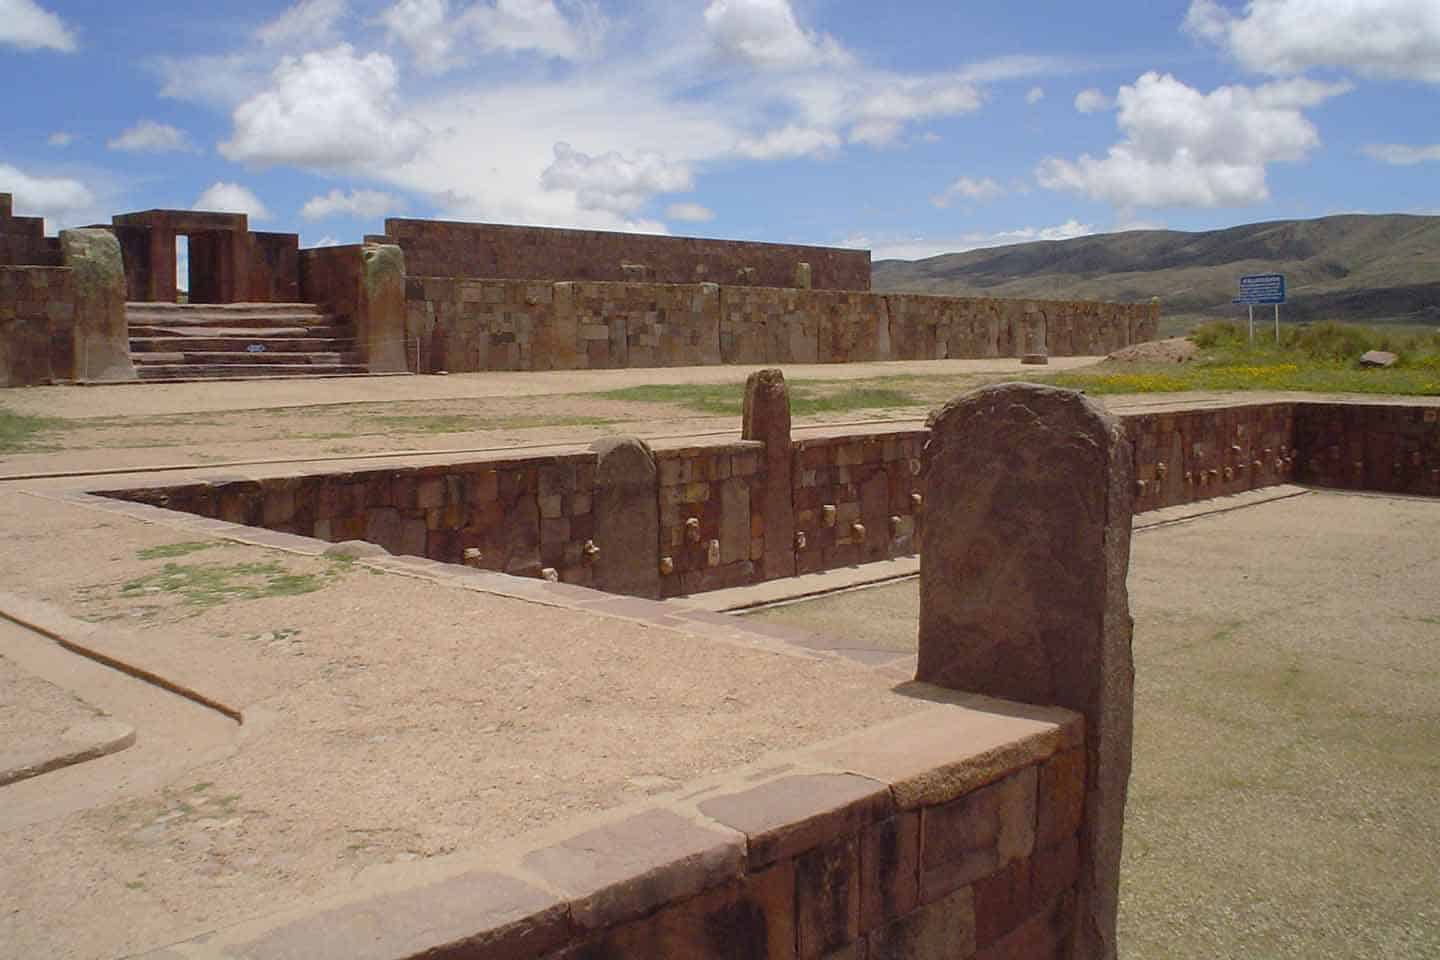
(1062, 797)
(626, 518)
(889, 870)
(790, 815)
(943, 930)
(625, 870)
(766, 418)
(827, 897)
(476, 914)
(1043, 937)
(968, 838)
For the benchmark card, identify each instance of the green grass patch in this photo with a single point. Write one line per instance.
(170, 550)
(807, 397)
(20, 433)
(212, 584)
(1322, 358)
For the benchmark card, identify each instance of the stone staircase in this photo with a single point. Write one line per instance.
(213, 341)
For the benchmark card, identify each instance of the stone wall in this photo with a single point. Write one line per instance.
(1193, 455)
(856, 499)
(37, 306)
(1391, 448)
(436, 248)
(896, 842)
(467, 325)
(711, 531)
(22, 239)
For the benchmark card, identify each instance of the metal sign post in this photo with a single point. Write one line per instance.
(1262, 288)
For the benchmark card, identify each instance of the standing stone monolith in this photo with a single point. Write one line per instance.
(99, 333)
(380, 313)
(766, 418)
(1023, 558)
(627, 517)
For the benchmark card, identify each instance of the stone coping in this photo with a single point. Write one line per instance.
(540, 891)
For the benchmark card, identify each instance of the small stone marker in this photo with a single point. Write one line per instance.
(627, 518)
(1378, 358)
(766, 418)
(1023, 557)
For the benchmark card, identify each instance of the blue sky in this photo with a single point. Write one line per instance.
(909, 128)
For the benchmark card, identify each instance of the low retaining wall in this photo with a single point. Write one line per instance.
(949, 833)
(467, 325)
(853, 498)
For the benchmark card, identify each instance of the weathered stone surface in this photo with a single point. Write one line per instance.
(889, 870)
(766, 418)
(98, 331)
(479, 914)
(380, 317)
(827, 897)
(974, 836)
(616, 873)
(355, 549)
(785, 817)
(1024, 555)
(627, 518)
(749, 920)
(943, 930)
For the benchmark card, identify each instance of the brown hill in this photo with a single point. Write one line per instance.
(1353, 267)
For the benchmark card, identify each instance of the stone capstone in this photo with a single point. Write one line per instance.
(1023, 560)
(627, 517)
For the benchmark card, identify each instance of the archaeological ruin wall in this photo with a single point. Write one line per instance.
(464, 325)
(847, 498)
(436, 248)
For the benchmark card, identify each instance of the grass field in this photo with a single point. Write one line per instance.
(1323, 358)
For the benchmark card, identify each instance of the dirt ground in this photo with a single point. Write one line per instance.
(1285, 801)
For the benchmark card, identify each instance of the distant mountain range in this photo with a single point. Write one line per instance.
(1353, 267)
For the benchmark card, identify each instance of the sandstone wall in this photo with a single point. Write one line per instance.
(467, 325)
(23, 241)
(448, 249)
(1198, 454)
(712, 531)
(1392, 448)
(37, 311)
(856, 499)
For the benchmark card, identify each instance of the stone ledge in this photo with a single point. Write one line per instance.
(804, 855)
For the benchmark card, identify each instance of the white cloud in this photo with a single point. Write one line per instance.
(60, 200)
(147, 136)
(424, 27)
(1187, 148)
(29, 26)
(970, 189)
(60, 138)
(225, 197)
(1381, 38)
(766, 33)
(357, 203)
(1092, 101)
(307, 22)
(921, 248)
(518, 26)
(438, 38)
(328, 110)
(690, 212)
(1035, 95)
(1402, 155)
(612, 182)
(791, 141)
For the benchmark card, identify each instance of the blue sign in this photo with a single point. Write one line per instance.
(1261, 288)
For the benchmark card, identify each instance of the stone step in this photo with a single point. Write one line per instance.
(324, 331)
(214, 358)
(222, 309)
(238, 344)
(228, 371)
